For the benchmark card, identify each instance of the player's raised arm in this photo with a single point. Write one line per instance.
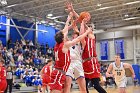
(71, 9)
(82, 27)
(65, 30)
(82, 30)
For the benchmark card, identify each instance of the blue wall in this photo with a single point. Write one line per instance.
(14, 35)
(137, 71)
(43, 37)
(46, 37)
(3, 30)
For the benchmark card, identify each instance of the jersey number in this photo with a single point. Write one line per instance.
(45, 70)
(56, 56)
(118, 73)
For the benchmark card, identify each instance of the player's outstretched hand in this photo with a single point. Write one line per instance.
(69, 7)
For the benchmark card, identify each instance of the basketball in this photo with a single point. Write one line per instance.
(84, 15)
(128, 72)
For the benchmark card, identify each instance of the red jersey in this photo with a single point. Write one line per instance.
(46, 70)
(46, 78)
(90, 48)
(2, 73)
(62, 60)
(91, 67)
(3, 81)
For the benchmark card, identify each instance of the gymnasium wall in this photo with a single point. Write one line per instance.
(3, 30)
(127, 36)
(138, 43)
(46, 37)
(14, 34)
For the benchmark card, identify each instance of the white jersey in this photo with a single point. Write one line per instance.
(75, 69)
(119, 72)
(75, 52)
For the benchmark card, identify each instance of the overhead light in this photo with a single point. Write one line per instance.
(43, 22)
(43, 31)
(131, 18)
(52, 24)
(126, 15)
(55, 17)
(49, 15)
(11, 5)
(60, 22)
(104, 8)
(3, 2)
(98, 4)
(129, 3)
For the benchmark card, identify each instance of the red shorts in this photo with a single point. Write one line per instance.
(46, 80)
(91, 68)
(57, 80)
(3, 85)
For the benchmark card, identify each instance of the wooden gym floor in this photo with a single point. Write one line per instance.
(130, 89)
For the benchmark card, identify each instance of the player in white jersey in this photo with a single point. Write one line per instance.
(75, 70)
(118, 72)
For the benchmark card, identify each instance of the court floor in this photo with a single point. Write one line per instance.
(130, 89)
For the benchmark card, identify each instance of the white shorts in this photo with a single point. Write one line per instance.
(122, 84)
(75, 69)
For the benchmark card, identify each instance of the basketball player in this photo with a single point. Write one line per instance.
(75, 70)
(45, 74)
(90, 62)
(118, 72)
(62, 57)
(91, 65)
(3, 82)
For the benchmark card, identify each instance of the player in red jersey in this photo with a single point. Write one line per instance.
(46, 74)
(90, 62)
(3, 82)
(91, 65)
(62, 57)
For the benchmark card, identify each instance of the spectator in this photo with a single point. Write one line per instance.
(17, 43)
(31, 43)
(49, 52)
(47, 46)
(20, 57)
(9, 42)
(10, 53)
(23, 42)
(12, 63)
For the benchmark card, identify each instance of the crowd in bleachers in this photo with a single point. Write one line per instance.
(26, 60)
